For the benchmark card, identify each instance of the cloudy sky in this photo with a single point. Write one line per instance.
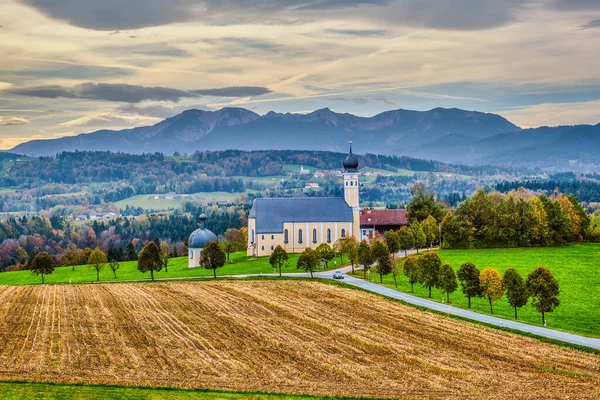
(73, 66)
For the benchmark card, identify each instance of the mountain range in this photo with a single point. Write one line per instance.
(449, 135)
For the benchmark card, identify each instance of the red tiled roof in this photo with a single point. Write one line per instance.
(383, 217)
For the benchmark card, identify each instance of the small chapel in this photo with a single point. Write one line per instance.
(299, 223)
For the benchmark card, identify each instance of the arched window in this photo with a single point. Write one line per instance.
(343, 233)
(252, 237)
(272, 237)
(271, 247)
(300, 236)
(314, 236)
(351, 183)
(262, 237)
(191, 255)
(286, 238)
(328, 235)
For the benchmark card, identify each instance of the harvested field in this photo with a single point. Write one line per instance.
(283, 336)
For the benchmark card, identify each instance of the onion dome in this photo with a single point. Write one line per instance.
(201, 236)
(350, 163)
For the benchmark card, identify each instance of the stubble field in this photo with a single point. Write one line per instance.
(282, 336)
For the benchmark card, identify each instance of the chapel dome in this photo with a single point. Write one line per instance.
(201, 236)
(350, 163)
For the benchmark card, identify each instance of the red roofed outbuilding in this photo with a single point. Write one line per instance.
(378, 222)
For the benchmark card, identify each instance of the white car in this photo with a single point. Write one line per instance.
(338, 275)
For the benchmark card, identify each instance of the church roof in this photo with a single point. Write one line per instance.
(270, 214)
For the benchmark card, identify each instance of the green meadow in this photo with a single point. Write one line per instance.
(27, 391)
(177, 268)
(576, 267)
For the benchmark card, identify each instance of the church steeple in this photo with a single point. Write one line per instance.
(351, 190)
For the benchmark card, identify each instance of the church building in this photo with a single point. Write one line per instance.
(299, 223)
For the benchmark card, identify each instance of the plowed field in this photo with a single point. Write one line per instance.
(283, 336)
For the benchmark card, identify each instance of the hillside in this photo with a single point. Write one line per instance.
(391, 132)
(274, 336)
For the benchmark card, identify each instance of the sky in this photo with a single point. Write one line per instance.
(76, 66)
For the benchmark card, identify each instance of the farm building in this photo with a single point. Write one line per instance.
(378, 222)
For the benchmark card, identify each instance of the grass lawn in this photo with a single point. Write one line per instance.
(296, 168)
(178, 267)
(576, 268)
(25, 391)
(148, 202)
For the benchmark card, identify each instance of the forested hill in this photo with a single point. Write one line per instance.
(86, 167)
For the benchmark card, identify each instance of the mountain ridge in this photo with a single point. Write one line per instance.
(444, 134)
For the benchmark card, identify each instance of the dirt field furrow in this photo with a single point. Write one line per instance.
(282, 336)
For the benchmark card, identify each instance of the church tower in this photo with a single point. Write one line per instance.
(350, 174)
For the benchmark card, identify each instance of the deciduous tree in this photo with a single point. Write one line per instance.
(150, 259)
(418, 235)
(407, 241)
(325, 252)
(544, 290)
(516, 290)
(308, 261)
(447, 280)
(42, 264)
(349, 246)
(98, 261)
(365, 257)
(411, 271)
(114, 266)
(429, 270)
(430, 228)
(233, 241)
(392, 240)
(468, 275)
(278, 258)
(381, 255)
(213, 257)
(491, 286)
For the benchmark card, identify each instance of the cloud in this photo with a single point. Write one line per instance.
(575, 5)
(591, 24)
(552, 114)
(146, 49)
(234, 91)
(53, 69)
(131, 93)
(114, 15)
(158, 111)
(358, 32)
(363, 100)
(109, 119)
(13, 121)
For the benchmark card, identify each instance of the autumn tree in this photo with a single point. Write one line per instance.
(278, 258)
(233, 240)
(325, 252)
(411, 271)
(308, 261)
(365, 257)
(544, 290)
(213, 257)
(98, 261)
(447, 282)
(407, 241)
(42, 264)
(468, 275)
(349, 246)
(491, 286)
(165, 249)
(392, 240)
(418, 235)
(430, 229)
(516, 290)
(429, 270)
(114, 266)
(150, 259)
(381, 254)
